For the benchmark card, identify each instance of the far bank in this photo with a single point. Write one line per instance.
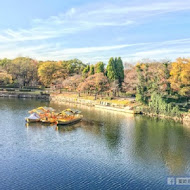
(125, 105)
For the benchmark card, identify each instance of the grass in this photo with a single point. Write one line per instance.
(117, 101)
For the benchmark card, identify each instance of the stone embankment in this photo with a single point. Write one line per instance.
(113, 107)
(186, 119)
(93, 103)
(24, 95)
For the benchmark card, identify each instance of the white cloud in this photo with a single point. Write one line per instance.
(156, 50)
(76, 51)
(38, 40)
(89, 17)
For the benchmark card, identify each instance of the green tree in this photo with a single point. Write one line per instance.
(86, 71)
(111, 70)
(99, 67)
(159, 106)
(166, 77)
(73, 66)
(92, 70)
(140, 92)
(119, 69)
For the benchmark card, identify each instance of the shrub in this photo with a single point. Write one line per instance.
(159, 106)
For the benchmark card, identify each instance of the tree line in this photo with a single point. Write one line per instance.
(164, 87)
(150, 82)
(72, 75)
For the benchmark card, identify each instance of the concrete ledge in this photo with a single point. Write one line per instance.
(115, 109)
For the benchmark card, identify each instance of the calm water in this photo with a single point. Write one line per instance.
(108, 150)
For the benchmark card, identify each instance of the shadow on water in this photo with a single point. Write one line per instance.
(67, 128)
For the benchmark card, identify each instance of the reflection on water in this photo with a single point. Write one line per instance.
(66, 128)
(38, 125)
(162, 140)
(129, 147)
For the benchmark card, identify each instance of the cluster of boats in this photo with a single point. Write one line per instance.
(48, 115)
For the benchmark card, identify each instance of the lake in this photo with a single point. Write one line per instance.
(107, 150)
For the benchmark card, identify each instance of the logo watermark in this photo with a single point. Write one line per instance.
(178, 180)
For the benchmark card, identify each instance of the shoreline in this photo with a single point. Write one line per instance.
(100, 104)
(92, 103)
(185, 119)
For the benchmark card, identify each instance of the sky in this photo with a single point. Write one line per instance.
(94, 31)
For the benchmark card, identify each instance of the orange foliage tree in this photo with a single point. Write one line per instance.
(94, 83)
(71, 83)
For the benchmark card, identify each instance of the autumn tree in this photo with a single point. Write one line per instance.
(130, 81)
(4, 63)
(23, 71)
(180, 77)
(49, 71)
(94, 83)
(71, 83)
(5, 78)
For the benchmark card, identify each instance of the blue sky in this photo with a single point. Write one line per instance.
(94, 31)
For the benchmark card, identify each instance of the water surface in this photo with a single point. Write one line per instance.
(107, 150)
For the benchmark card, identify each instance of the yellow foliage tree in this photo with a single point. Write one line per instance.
(5, 78)
(180, 76)
(49, 71)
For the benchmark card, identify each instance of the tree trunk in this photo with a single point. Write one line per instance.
(114, 93)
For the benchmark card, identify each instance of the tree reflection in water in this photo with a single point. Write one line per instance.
(108, 130)
(144, 140)
(164, 140)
